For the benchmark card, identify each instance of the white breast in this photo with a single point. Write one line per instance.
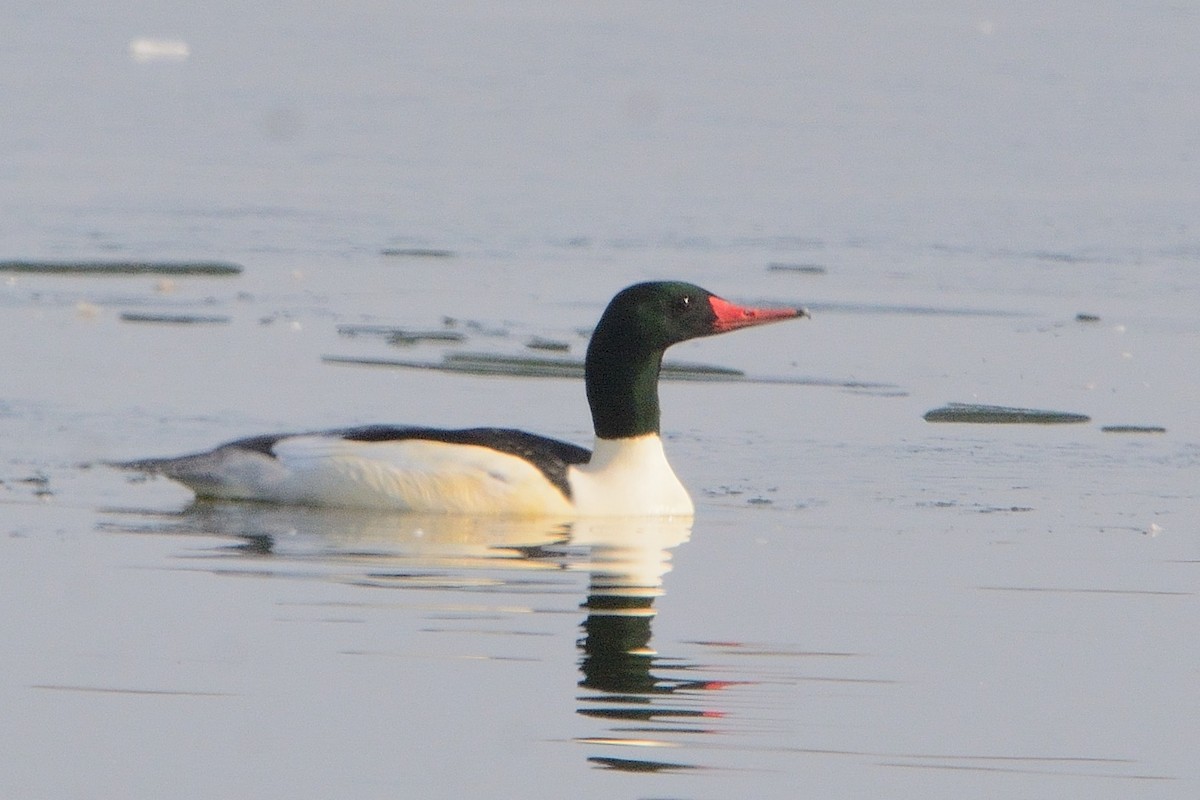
(628, 477)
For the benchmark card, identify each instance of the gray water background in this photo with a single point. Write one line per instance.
(866, 605)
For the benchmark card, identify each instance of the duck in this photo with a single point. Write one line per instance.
(496, 471)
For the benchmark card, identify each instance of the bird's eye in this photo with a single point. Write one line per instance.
(682, 304)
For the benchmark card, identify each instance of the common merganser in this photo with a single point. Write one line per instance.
(497, 470)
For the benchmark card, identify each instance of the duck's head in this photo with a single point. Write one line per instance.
(658, 314)
(626, 350)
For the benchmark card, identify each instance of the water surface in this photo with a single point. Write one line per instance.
(994, 209)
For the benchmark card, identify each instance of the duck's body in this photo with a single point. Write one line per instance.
(424, 470)
(496, 470)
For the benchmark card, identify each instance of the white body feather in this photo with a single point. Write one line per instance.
(625, 477)
(628, 477)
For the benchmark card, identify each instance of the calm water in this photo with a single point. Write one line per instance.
(866, 604)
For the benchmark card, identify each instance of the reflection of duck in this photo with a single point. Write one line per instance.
(491, 470)
(626, 567)
(625, 561)
(335, 532)
(625, 573)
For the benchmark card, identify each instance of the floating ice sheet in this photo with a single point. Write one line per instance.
(121, 267)
(1002, 415)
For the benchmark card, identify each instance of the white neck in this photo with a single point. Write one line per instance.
(628, 477)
